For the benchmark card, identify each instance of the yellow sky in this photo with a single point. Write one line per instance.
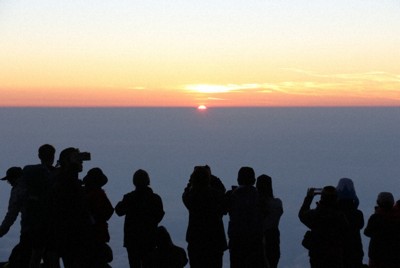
(230, 53)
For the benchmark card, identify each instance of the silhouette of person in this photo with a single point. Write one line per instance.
(168, 255)
(37, 205)
(21, 253)
(13, 177)
(246, 215)
(143, 211)
(348, 202)
(328, 227)
(72, 233)
(205, 233)
(383, 229)
(274, 210)
(215, 182)
(101, 210)
(345, 191)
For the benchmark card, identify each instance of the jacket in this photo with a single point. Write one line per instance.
(143, 210)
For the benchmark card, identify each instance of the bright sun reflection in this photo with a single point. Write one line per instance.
(202, 107)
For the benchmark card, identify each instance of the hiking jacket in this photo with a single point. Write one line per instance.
(384, 230)
(205, 229)
(101, 210)
(328, 227)
(143, 210)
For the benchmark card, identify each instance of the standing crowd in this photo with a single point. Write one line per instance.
(64, 218)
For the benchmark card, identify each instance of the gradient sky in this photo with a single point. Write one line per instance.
(211, 52)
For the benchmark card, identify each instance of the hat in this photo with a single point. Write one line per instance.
(345, 189)
(95, 177)
(13, 173)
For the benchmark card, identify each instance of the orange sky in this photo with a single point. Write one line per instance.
(186, 54)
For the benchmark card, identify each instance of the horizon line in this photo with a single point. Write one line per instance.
(194, 107)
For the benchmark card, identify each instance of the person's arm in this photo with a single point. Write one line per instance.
(14, 207)
(304, 214)
(370, 228)
(122, 207)
(160, 209)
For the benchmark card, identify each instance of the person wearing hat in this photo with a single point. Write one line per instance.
(101, 210)
(383, 229)
(328, 226)
(71, 218)
(15, 203)
(348, 203)
(20, 254)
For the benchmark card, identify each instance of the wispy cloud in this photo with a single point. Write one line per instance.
(214, 89)
(374, 84)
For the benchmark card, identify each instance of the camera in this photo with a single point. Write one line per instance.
(84, 156)
(317, 191)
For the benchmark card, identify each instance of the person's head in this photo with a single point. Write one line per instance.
(246, 176)
(385, 200)
(328, 196)
(345, 189)
(13, 174)
(200, 178)
(141, 179)
(69, 160)
(46, 154)
(264, 185)
(95, 178)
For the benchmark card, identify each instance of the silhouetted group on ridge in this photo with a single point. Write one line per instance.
(64, 217)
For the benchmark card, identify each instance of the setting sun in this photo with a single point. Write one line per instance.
(91, 54)
(202, 107)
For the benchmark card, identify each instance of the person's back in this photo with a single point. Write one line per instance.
(328, 226)
(274, 211)
(245, 229)
(347, 203)
(245, 215)
(205, 233)
(352, 246)
(143, 210)
(383, 228)
(101, 210)
(38, 186)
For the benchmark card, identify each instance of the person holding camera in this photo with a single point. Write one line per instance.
(205, 233)
(328, 226)
(73, 239)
